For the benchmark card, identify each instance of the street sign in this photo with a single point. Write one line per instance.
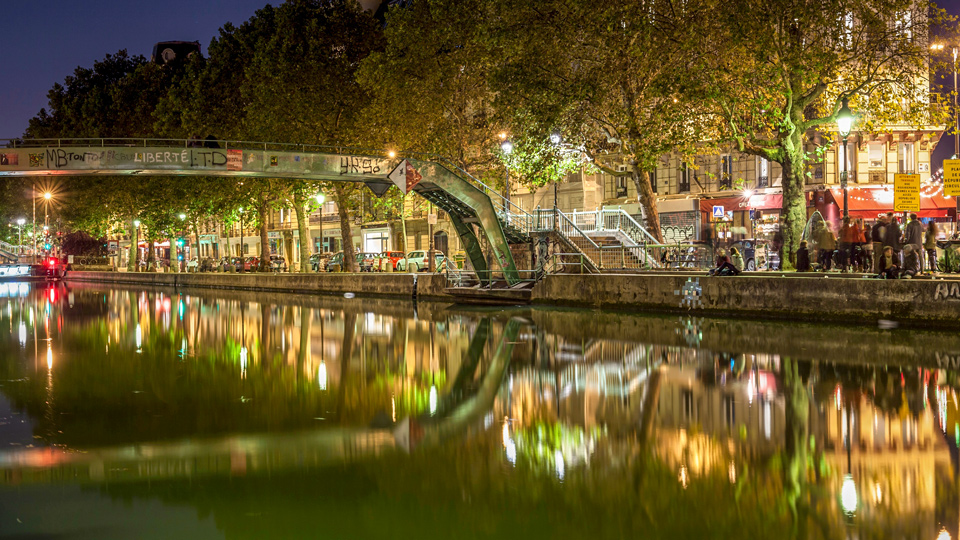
(431, 219)
(906, 193)
(405, 176)
(951, 177)
(718, 212)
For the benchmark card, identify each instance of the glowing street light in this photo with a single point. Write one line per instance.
(844, 123)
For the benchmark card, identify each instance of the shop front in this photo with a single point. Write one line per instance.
(731, 219)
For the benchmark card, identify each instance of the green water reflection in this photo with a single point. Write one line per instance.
(231, 415)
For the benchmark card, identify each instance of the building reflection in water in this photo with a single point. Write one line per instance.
(883, 439)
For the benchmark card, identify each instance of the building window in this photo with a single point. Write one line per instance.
(876, 155)
(621, 184)
(684, 186)
(653, 181)
(847, 155)
(763, 173)
(726, 172)
(906, 158)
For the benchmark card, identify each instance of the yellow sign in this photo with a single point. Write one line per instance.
(951, 177)
(906, 193)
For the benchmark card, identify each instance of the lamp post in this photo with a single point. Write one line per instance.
(956, 119)
(844, 123)
(181, 263)
(321, 198)
(136, 246)
(20, 223)
(507, 147)
(241, 240)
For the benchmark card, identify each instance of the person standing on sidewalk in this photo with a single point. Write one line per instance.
(913, 236)
(891, 237)
(849, 237)
(930, 244)
(827, 243)
(876, 239)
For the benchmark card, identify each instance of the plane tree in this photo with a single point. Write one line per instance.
(606, 77)
(778, 74)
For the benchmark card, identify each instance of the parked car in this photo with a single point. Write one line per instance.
(417, 261)
(381, 261)
(207, 264)
(335, 264)
(251, 264)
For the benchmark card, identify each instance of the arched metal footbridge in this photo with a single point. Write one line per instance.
(465, 199)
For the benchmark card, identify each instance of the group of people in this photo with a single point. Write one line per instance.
(890, 253)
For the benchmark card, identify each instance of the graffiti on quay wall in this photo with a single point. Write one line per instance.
(9, 159)
(359, 165)
(947, 291)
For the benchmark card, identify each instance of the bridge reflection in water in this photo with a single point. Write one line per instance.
(126, 388)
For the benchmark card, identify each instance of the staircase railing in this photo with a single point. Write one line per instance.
(608, 219)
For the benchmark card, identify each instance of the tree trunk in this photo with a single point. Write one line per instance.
(134, 250)
(151, 255)
(346, 234)
(648, 200)
(264, 240)
(226, 231)
(300, 207)
(173, 261)
(793, 214)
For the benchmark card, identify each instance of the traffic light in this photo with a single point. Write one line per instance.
(46, 246)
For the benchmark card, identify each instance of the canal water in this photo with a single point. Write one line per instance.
(197, 414)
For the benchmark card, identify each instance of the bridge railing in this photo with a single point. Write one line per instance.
(501, 204)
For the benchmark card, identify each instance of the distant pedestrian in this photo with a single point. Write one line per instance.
(913, 236)
(877, 233)
(849, 238)
(736, 259)
(930, 245)
(827, 243)
(891, 236)
(803, 257)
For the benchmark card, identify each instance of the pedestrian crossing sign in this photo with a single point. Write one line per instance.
(718, 212)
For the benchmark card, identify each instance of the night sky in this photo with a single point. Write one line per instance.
(44, 42)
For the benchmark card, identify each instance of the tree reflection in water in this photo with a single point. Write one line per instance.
(276, 413)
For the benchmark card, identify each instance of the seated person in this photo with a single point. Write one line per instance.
(889, 269)
(803, 257)
(911, 262)
(724, 267)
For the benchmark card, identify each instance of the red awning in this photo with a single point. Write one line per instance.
(773, 201)
(870, 203)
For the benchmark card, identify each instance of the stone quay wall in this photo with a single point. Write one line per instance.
(919, 302)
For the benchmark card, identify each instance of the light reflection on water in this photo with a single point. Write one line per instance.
(605, 415)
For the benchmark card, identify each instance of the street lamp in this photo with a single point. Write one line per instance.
(136, 258)
(20, 223)
(844, 123)
(241, 240)
(181, 261)
(507, 147)
(320, 200)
